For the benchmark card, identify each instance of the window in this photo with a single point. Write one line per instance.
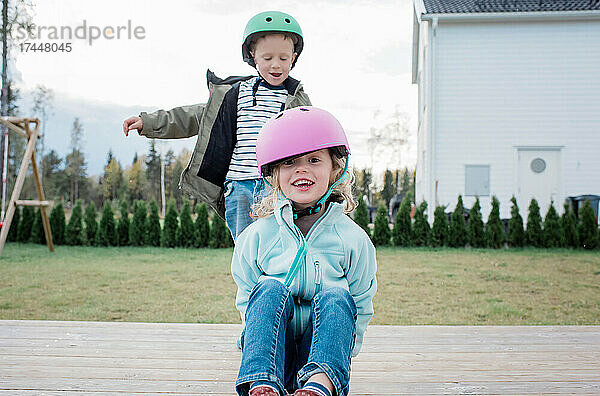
(538, 165)
(477, 180)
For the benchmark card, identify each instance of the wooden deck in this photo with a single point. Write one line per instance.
(42, 357)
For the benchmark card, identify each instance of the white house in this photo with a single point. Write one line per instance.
(509, 101)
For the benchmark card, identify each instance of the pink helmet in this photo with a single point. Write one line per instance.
(298, 131)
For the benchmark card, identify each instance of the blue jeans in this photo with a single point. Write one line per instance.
(270, 352)
(240, 195)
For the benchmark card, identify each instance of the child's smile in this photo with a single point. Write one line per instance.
(305, 179)
(303, 184)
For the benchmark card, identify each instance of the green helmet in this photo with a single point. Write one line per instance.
(271, 21)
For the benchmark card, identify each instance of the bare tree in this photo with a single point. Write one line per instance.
(43, 98)
(15, 14)
(75, 166)
(386, 143)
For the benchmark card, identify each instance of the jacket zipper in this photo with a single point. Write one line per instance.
(317, 277)
(304, 278)
(296, 231)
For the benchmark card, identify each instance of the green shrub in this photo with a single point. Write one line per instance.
(91, 224)
(74, 234)
(439, 230)
(123, 225)
(553, 235)
(569, 227)
(137, 230)
(220, 237)
(533, 232)
(14, 226)
(58, 224)
(494, 228)
(169, 233)
(402, 232)
(381, 230)
(107, 232)
(26, 225)
(587, 227)
(457, 236)
(477, 237)
(361, 216)
(516, 233)
(421, 229)
(37, 230)
(152, 228)
(202, 226)
(186, 235)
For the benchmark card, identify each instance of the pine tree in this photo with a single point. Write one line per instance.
(74, 234)
(169, 233)
(153, 172)
(26, 225)
(439, 230)
(534, 225)
(553, 235)
(220, 237)
(476, 227)
(457, 236)
(14, 226)
(421, 229)
(58, 224)
(569, 226)
(516, 233)
(123, 225)
(153, 230)
(91, 224)
(381, 230)
(495, 228)
(107, 232)
(389, 188)
(37, 230)
(402, 232)
(186, 226)
(361, 216)
(587, 227)
(202, 226)
(137, 230)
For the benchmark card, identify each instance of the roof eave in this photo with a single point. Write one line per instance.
(419, 6)
(521, 16)
(419, 10)
(415, 49)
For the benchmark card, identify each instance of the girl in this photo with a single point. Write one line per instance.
(305, 271)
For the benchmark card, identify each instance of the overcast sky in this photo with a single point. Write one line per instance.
(356, 63)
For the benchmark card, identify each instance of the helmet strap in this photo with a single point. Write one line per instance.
(298, 213)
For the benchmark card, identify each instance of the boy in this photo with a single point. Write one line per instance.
(222, 170)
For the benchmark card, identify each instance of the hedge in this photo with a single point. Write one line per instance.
(180, 229)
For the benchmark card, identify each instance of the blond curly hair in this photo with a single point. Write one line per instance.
(342, 193)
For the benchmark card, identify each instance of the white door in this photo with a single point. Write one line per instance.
(539, 178)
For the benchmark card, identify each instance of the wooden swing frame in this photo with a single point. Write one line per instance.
(22, 127)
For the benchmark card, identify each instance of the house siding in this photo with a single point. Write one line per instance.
(500, 86)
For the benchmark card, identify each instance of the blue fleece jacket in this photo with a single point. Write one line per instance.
(339, 254)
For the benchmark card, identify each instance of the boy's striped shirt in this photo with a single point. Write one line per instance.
(253, 110)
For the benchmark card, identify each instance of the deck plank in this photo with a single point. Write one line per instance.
(49, 357)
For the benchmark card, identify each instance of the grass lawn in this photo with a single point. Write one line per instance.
(416, 286)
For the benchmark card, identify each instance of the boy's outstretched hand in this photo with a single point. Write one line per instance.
(132, 123)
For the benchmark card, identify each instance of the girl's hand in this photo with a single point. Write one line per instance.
(132, 123)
